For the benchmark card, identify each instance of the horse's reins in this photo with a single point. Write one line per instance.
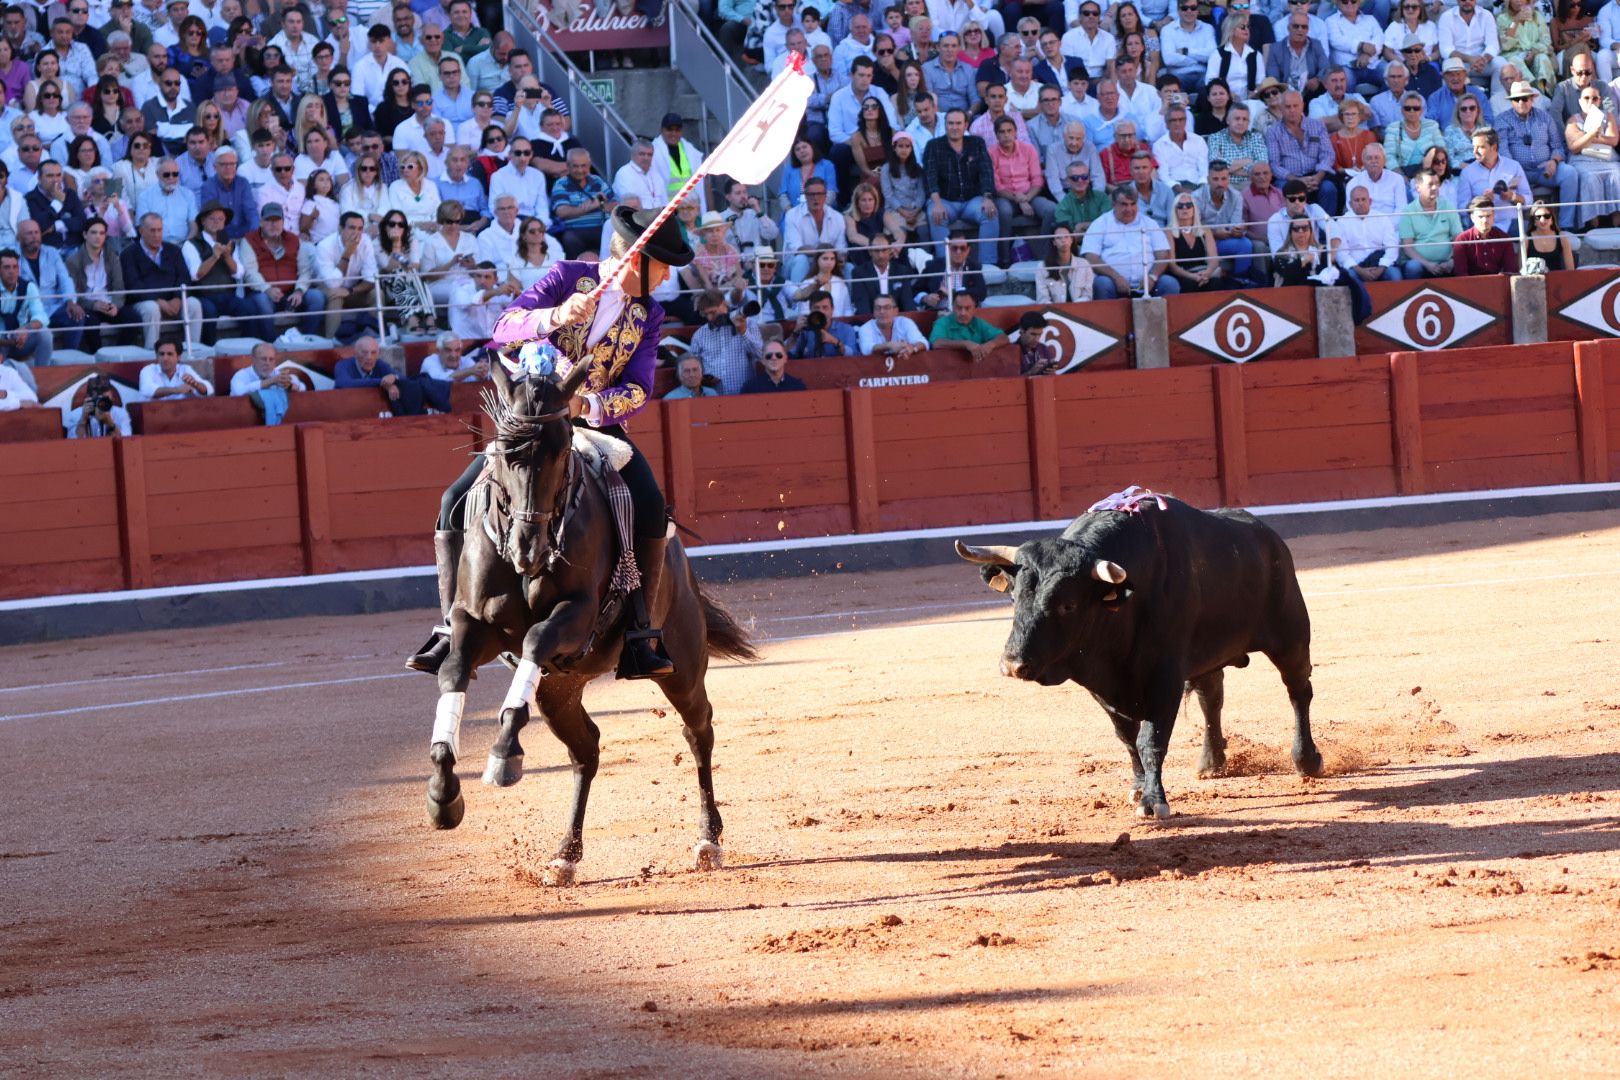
(556, 516)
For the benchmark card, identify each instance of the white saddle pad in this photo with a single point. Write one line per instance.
(596, 446)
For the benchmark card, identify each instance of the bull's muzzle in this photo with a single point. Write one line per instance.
(1014, 668)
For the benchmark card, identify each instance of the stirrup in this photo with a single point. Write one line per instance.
(430, 657)
(643, 656)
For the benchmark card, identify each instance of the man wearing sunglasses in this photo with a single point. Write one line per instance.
(1186, 46)
(168, 115)
(1566, 98)
(1532, 138)
(1298, 61)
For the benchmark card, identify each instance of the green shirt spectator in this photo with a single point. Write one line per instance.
(1077, 213)
(1427, 231)
(963, 329)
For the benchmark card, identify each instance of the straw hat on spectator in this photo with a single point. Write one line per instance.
(1521, 89)
(712, 220)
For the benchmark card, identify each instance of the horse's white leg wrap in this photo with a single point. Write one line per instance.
(447, 721)
(524, 681)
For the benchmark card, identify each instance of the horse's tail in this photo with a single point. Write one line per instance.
(726, 638)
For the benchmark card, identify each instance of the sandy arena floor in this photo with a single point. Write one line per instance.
(215, 858)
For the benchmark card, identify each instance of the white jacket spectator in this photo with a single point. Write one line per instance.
(476, 304)
(362, 266)
(903, 332)
(1362, 235)
(525, 183)
(13, 391)
(1186, 162)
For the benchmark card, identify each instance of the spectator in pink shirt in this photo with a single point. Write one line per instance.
(1261, 199)
(1019, 186)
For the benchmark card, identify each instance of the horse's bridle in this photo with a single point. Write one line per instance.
(556, 516)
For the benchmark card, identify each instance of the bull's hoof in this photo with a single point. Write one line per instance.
(706, 855)
(560, 873)
(446, 815)
(1153, 811)
(1309, 764)
(503, 772)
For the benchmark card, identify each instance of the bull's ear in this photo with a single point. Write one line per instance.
(999, 578)
(994, 555)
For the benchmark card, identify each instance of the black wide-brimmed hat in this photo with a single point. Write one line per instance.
(667, 245)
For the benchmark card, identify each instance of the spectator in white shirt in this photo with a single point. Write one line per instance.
(1387, 188)
(452, 363)
(370, 73)
(14, 393)
(1368, 243)
(520, 179)
(809, 225)
(1088, 42)
(477, 303)
(890, 333)
(170, 378)
(1187, 45)
(1182, 154)
(346, 264)
(635, 184)
(1470, 35)
(498, 242)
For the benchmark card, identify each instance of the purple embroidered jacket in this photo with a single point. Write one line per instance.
(621, 364)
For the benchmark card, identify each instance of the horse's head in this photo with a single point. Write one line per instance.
(528, 458)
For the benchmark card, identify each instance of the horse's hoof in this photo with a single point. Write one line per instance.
(1153, 811)
(446, 815)
(560, 873)
(1310, 765)
(1209, 770)
(706, 855)
(503, 772)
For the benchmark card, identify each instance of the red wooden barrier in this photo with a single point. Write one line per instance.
(107, 513)
(31, 425)
(1154, 428)
(59, 518)
(1318, 430)
(1583, 304)
(956, 453)
(222, 505)
(1492, 420)
(1269, 324)
(1437, 314)
(383, 480)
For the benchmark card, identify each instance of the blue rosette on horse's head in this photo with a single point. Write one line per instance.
(537, 360)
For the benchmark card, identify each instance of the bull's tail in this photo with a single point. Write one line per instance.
(726, 638)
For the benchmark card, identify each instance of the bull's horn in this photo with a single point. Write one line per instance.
(994, 555)
(1111, 572)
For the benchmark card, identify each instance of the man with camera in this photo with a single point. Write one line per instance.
(100, 415)
(817, 333)
(728, 343)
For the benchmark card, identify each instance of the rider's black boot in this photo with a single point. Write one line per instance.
(447, 556)
(644, 656)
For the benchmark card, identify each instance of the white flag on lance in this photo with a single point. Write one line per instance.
(760, 142)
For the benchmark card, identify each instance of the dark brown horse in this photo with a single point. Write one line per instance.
(535, 578)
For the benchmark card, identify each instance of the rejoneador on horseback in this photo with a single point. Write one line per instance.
(556, 544)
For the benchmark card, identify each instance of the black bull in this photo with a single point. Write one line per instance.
(1141, 607)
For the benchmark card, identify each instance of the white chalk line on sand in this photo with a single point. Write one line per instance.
(965, 607)
(103, 679)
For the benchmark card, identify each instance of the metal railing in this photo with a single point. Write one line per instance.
(705, 64)
(596, 123)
